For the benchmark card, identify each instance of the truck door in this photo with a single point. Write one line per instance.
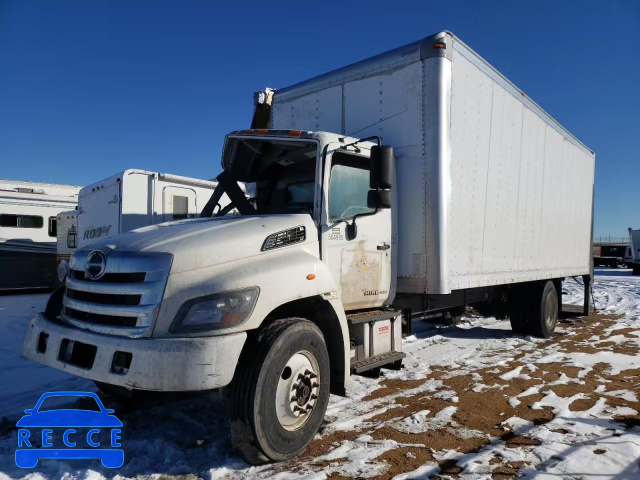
(178, 203)
(362, 265)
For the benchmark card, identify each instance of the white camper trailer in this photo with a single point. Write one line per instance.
(129, 200)
(137, 198)
(28, 227)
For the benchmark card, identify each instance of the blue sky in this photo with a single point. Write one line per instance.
(91, 88)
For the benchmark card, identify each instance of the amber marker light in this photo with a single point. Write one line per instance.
(311, 276)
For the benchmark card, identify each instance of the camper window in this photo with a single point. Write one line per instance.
(20, 221)
(180, 207)
(53, 230)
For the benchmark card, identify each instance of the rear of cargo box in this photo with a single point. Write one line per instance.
(490, 189)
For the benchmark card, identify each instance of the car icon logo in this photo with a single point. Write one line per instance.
(90, 432)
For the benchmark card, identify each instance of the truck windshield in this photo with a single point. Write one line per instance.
(282, 172)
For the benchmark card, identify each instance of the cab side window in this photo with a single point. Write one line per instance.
(348, 186)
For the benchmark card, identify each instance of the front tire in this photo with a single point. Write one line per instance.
(281, 391)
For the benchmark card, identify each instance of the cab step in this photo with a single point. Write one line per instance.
(377, 361)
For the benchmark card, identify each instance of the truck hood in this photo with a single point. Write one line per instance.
(203, 242)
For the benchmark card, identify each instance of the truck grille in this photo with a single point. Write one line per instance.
(124, 300)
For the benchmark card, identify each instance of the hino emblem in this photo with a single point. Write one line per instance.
(96, 265)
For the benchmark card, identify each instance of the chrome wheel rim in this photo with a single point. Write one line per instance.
(551, 312)
(297, 391)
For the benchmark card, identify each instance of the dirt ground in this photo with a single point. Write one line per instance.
(484, 398)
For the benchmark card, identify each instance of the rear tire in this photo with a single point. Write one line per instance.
(281, 391)
(534, 309)
(636, 270)
(546, 312)
(519, 310)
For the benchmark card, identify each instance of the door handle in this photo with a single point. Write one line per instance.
(383, 246)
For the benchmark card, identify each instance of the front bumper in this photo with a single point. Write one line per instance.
(160, 364)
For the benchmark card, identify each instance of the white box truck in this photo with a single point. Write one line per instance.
(402, 187)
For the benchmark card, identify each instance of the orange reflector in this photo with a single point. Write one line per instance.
(439, 45)
(246, 132)
(311, 276)
(295, 133)
(262, 132)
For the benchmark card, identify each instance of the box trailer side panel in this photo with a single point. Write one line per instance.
(520, 189)
(490, 189)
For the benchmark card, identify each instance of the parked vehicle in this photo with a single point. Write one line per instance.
(67, 235)
(138, 198)
(28, 227)
(634, 254)
(129, 200)
(610, 255)
(459, 190)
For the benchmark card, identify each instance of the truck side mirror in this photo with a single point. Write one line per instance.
(381, 175)
(379, 199)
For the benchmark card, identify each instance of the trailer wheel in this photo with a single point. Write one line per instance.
(519, 311)
(534, 309)
(281, 391)
(545, 311)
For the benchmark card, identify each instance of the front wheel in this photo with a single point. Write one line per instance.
(281, 391)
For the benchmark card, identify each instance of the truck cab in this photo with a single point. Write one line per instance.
(312, 244)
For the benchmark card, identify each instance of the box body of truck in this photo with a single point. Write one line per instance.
(490, 189)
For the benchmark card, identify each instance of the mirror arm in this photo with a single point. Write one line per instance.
(374, 137)
(351, 232)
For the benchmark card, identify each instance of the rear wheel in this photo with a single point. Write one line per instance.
(636, 269)
(534, 309)
(281, 391)
(546, 312)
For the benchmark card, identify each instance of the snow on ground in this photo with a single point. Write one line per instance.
(473, 401)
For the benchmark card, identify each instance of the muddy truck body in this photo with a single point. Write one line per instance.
(407, 186)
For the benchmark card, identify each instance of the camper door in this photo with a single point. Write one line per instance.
(178, 203)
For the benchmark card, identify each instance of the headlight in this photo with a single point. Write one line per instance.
(213, 312)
